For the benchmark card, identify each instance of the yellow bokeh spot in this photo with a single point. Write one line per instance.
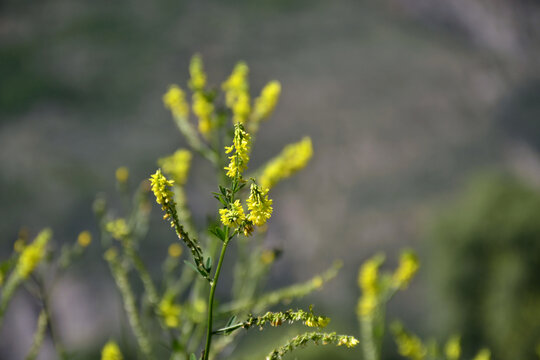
(84, 239)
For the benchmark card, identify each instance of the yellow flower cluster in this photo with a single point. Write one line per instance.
(117, 228)
(170, 312)
(317, 321)
(233, 216)
(177, 165)
(483, 354)
(161, 188)
(175, 100)
(452, 349)
(175, 250)
(410, 346)
(203, 108)
(111, 351)
(241, 147)
(236, 84)
(84, 239)
(33, 253)
(122, 174)
(196, 71)
(294, 157)
(368, 280)
(259, 205)
(348, 341)
(267, 101)
(408, 266)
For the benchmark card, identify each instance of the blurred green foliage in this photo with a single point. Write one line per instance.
(485, 264)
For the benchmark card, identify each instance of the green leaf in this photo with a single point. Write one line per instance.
(231, 321)
(208, 264)
(192, 357)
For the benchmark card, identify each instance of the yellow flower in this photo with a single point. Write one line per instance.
(117, 228)
(236, 84)
(175, 250)
(259, 205)
(170, 312)
(366, 305)
(111, 351)
(196, 71)
(317, 282)
(268, 257)
(175, 100)
(266, 103)
(317, 321)
(177, 165)
(294, 157)
(241, 147)
(110, 254)
(408, 266)
(203, 109)
(348, 341)
(85, 238)
(483, 354)
(160, 187)
(122, 174)
(19, 245)
(234, 216)
(33, 253)
(452, 348)
(409, 345)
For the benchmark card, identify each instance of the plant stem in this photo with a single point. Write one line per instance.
(212, 293)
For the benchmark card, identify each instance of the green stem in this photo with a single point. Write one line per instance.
(211, 297)
(368, 343)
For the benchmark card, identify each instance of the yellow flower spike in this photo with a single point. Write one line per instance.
(203, 109)
(122, 174)
(408, 266)
(111, 351)
(175, 101)
(368, 275)
(84, 239)
(241, 108)
(177, 165)
(175, 250)
(160, 187)
(293, 158)
(236, 84)
(234, 216)
(267, 101)
(32, 254)
(483, 354)
(409, 345)
(170, 312)
(452, 349)
(242, 148)
(196, 71)
(118, 228)
(259, 205)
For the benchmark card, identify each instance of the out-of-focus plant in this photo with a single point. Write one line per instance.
(377, 288)
(35, 266)
(486, 261)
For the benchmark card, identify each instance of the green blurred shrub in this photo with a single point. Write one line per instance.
(485, 263)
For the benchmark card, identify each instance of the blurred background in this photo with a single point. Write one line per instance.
(425, 120)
